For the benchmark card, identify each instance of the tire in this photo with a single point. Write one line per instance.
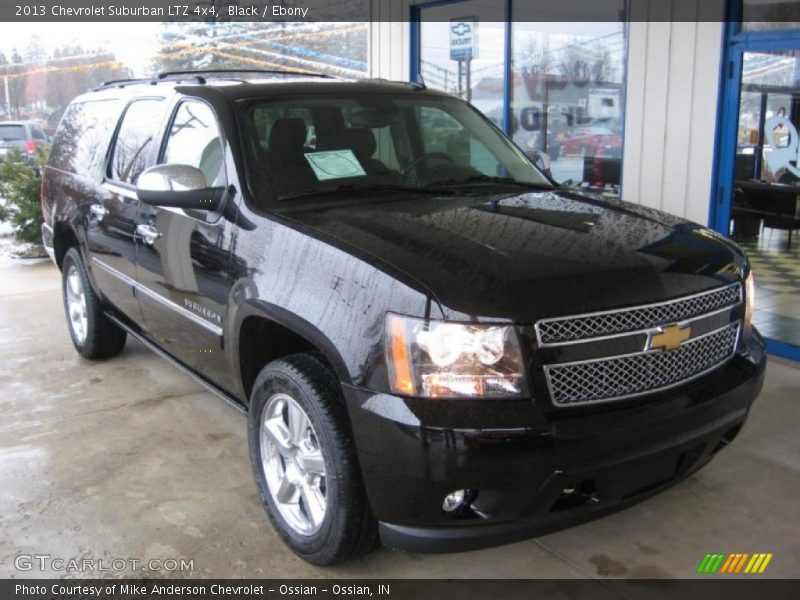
(93, 334)
(346, 528)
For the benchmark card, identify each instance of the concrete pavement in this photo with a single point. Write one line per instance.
(131, 459)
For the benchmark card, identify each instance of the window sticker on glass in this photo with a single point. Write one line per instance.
(335, 164)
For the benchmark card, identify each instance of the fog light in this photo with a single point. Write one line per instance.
(454, 500)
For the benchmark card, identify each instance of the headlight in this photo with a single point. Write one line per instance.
(439, 359)
(749, 303)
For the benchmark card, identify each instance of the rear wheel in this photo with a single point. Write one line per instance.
(93, 334)
(305, 464)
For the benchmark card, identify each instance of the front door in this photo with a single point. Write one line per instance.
(184, 256)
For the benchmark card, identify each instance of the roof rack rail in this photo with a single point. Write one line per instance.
(143, 81)
(197, 76)
(200, 72)
(118, 82)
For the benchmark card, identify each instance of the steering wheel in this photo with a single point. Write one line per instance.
(426, 158)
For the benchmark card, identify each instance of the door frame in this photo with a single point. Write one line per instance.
(734, 44)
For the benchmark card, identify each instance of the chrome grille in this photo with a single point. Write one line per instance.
(631, 375)
(585, 327)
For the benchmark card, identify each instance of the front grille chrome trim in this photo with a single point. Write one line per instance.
(544, 340)
(548, 369)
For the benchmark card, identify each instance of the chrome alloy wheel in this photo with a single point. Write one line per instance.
(76, 304)
(293, 465)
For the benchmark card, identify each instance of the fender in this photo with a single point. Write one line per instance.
(271, 312)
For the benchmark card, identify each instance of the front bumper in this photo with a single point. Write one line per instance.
(535, 471)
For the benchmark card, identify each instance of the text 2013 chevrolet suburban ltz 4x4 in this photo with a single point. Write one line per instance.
(433, 342)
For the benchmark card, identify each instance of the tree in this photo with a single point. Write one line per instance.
(15, 78)
(19, 185)
(73, 69)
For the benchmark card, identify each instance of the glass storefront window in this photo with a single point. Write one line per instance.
(476, 72)
(568, 96)
(564, 95)
(765, 209)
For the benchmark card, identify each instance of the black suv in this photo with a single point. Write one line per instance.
(433, 341)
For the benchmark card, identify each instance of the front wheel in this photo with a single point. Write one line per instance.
(305, 464)
(93, 334)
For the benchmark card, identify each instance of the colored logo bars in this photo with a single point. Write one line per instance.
(734, 563)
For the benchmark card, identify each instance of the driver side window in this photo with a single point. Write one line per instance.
(194, 140)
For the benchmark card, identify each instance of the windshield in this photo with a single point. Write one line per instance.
(312, 147)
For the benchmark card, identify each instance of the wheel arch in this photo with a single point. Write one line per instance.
(64, 238)
(263, 333)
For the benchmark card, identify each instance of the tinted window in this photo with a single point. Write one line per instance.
(82, 137)
(133, 148)
(194, 140)
(339, 144)
(12, 132)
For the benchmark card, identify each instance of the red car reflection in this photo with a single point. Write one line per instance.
(591, 141)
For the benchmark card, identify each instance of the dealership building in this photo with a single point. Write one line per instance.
(687, 107)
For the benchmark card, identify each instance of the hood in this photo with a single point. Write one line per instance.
(525, 256)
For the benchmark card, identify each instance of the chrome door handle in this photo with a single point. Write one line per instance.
(148, 234)
(98, 211)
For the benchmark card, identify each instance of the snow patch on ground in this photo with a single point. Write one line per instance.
(13, 251)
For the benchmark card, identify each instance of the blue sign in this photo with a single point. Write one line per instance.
(464, 38)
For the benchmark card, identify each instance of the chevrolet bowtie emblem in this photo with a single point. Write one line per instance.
(670, 337)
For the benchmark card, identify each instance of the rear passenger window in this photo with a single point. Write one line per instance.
(136, 139)
(82, 137)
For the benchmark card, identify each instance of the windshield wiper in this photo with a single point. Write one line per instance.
(380, 187)
(481, 179)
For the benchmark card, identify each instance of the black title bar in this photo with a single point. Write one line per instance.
(394, 589)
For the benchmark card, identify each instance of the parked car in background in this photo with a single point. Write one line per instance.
(24, 136)
(591, 141)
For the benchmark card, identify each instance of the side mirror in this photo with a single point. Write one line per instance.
(178, 186)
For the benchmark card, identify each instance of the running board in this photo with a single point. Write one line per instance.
(176, 363)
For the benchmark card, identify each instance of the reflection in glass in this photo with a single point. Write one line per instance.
(462, 52)
(568, 96)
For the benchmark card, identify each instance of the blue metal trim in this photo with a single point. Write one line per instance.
(414, 40)
(784, 350)
(508, 72)
(725, 138)
(765, 36)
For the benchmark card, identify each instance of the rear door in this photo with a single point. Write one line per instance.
(184, 257)
(114, 213)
